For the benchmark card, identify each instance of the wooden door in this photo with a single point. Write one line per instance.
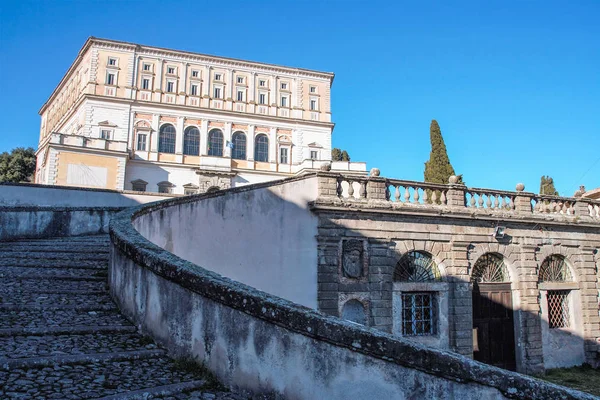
(494, 325)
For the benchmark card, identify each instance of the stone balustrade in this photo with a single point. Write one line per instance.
(394, 193)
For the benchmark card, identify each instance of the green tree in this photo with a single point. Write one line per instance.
(438, 169)
(547, 186)
(18, 165)
(339, 155)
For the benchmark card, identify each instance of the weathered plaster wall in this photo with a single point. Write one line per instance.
(256, 341)
(42, 222)
(62, 196)
(263, 237)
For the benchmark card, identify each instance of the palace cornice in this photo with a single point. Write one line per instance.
(91, 150)
(226, 62)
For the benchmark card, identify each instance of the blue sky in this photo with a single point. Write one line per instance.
(514, 85)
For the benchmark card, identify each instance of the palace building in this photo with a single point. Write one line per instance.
(142, 118)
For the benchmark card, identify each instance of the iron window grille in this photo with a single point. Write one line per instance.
(215, 143)
(416, 266)
(490, 268)
(239, 146)
(418, 316)
(166, 139)
(261, 148)
(191, 141)
(558, 308)
(555, 269)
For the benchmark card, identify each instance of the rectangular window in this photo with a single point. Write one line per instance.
(262, 98)
(217, 93)
(110, 79)
(195, 73)
(217, 77)
(558, 308)
(240, 79)
(171, 70)
(189, 192)
(283, 155)
(141, 141)
(313, 89)
(105, 134)
(284, 101)
(145, 84)
(165, 189)
(240, 95)
(138, 187)
(284, 86)
(314, 155)
(147, 67)
(262, 83)
(194, 90)
(313, 105)
(171, 87)
(112, 61)
(418, 314)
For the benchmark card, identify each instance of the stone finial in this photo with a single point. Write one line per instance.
(580, 192)
(453, 179)
(325, 167)
(375, 172)
(520, 187)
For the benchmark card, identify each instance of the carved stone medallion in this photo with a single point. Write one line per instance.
(352, 258)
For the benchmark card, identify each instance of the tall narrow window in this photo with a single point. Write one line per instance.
(313, 105)
(141, 141)
(261, 148)
(240, 95)
(418, 314)
(171, 87)
(314, 155)
(215, 143)
(283, 155)
(217, 93)
(284, 101)
(166, 139)
(145, 84)
(106, 134)
(262, 98)
(194, 90)
(239, 146)
(110, 78)
(191, 141)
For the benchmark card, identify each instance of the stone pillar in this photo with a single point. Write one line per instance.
(581, 207)
(376, 186)
(381, 269)
(455, 196)
(585, 265)
(529, 338)
(252, 88)
(203, 137)
(154, 134)
(327, 184)
(273, 145)
(227, 139)
(460, 310)
(179, 136)
(250, 143)
(327, 272)
(523, 200)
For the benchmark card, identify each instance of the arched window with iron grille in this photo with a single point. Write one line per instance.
(166, 139)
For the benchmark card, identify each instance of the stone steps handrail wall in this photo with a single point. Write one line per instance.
(141, 268)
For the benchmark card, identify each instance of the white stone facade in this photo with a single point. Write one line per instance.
(123, 110)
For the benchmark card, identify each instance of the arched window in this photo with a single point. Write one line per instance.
(213, 189)
(191, 141)
(490, 268)
(261, 148)
(416, 266)
(166, 139)
(215, 143)
(555, 269)
(239, 146)
(353, 310)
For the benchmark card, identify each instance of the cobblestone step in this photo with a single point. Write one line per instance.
(68, 330)
(20, 247)
(93, 379)
(43, 318)
(47, 297)
(41, 263)
(32, 255)
(68, 344)
(27, 284)
(31, 272)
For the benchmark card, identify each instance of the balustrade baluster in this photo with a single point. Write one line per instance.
(406, 195)
(497, 201)
(443, 198)
(480, 201)
(433, 197)
(397, 193)
(488, 203)
(362, 192)
(340, 189)
(350, 189)
(416, 196)
(472, 201)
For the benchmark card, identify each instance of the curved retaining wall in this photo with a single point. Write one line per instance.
(258, 342)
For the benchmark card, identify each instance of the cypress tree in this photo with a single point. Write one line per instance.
(547, 186)
(438, 169)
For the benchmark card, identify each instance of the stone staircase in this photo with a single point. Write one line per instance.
(62, 337)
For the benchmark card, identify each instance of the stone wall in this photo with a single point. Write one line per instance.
(255, 341)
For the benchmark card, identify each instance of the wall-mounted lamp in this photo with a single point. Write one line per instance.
(499, 232)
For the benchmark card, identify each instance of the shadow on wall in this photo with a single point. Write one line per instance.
(266, 237)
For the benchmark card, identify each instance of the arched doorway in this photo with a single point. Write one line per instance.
(493, 319)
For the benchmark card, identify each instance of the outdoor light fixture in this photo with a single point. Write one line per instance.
(499, 232)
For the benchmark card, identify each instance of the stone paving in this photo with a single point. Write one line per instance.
(62, 337)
